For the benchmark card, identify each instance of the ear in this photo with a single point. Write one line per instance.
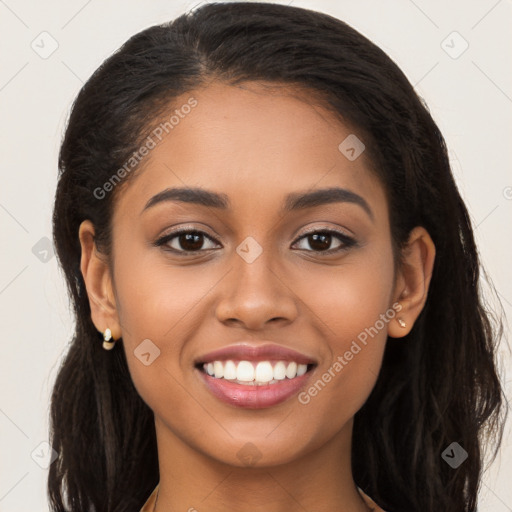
(98, 282)
(413, 280)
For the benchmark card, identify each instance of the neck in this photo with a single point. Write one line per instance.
(320, 480)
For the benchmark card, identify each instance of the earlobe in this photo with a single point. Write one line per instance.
(413, 281)
(98, 282)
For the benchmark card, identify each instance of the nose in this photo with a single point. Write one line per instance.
(257, 294)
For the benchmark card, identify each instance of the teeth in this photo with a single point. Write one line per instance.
(279, 371)
(291, 370)
(301, 369)
(218, 369)
(257, 373)
(264, 372)
(244, 371)
(229, 370)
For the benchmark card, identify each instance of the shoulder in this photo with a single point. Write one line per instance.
(150, 503)
(370, 502)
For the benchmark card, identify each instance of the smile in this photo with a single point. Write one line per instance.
(255, 373)
(254, 384)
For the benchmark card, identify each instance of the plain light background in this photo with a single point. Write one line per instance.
(469, 92)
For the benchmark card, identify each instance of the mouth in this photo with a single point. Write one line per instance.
(254, 384)
(254, 373)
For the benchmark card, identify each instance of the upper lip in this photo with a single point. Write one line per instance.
(244, 351)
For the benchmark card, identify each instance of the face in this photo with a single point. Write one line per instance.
(315, 277)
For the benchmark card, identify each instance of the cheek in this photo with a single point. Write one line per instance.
(350, 297)
(154, 297)
(156, 303)
(351, 306)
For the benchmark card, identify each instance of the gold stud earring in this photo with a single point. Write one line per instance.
(401, 322)
(107, 344)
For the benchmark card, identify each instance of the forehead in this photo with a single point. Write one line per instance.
(252, 142)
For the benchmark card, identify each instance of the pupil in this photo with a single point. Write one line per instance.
(321, 242)
(191, 241)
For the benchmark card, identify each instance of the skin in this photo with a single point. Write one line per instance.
(256, 145)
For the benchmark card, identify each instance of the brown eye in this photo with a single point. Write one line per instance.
(186, 241)
(191, 241)
(321, 241)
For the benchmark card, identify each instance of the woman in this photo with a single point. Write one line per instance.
(257, 220)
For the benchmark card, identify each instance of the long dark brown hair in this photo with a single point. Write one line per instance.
(437, 386)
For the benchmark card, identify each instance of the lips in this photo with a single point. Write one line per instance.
(254, 397)
(239, 389)
(245, 351)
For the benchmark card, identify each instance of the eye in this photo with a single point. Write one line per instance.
(185, 240)
(321, 240)
(193, 240)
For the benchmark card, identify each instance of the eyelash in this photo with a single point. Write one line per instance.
(347, 242)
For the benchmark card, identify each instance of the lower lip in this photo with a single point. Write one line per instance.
(254, 397)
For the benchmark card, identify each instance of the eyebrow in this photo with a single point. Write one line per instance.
(293, 202)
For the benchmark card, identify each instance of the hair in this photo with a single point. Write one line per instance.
(439, 384)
